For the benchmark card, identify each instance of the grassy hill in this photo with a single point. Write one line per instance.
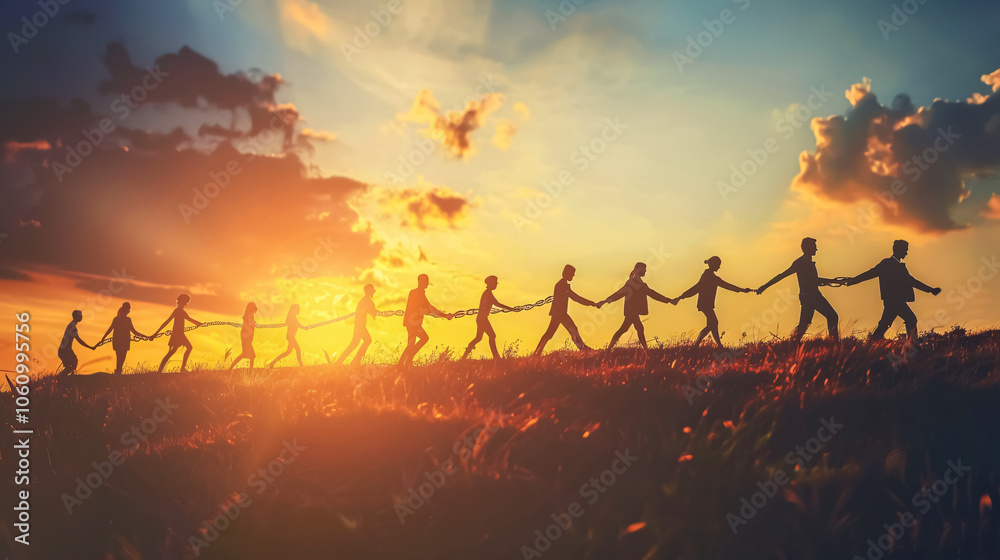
(828, 450)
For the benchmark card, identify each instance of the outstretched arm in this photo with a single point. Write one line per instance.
(864, 276)
(580, 299)
(80, 340)
(165, 323)
(657, 296)
(924, 287)
(730, 287)
(196, 323)
(106, 334)
(617, 295)
(689, 292)
(777, 278)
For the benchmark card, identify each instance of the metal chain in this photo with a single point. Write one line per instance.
(393, 313)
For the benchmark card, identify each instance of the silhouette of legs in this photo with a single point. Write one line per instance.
(892, 310)
(711, 326)
(416, 337)
(69, 360)
(292, 345)
(554, 323)
(483, 327)
(120, 354)
(811, 304)
(170, 352)
(630, 322)
(362, 337)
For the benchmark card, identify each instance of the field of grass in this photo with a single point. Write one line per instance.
(770, 451)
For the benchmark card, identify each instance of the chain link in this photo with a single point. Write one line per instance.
(393, 313)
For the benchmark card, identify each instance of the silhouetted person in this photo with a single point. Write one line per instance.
(635, 292)
(483, 326)
(895, 285)
(246, 336)
(559, 311)
(177, 336)
(809, 282)
(293, 325)
(365, 308)
(66, 354)
(413, 319)
(121, 330)
(706, 288)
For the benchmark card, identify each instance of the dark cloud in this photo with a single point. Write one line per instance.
(453, 128)
(911, 160)
(426, 207)
(191, 80)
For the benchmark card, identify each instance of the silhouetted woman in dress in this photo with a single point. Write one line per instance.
(246, 336)
(121, 330)
(177, 336)
(292, 321)
(706, 289)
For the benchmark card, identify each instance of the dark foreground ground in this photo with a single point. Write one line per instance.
(824, 451)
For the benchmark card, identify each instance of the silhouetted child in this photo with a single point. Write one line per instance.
(809, 296)
(559, 313)
(177, 336)
(895, 285)
(706, 288)
(365, 308)
(293, 326)
(66, 354)
(121, 330)
(413, 319)
(483, 326)
(246, 336)
(635, 292)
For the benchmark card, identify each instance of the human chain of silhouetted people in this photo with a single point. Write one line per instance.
(896, 287)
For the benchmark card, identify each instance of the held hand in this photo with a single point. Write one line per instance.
(747, 290)
(760, 290)
(599, 304)
(936, 291)
(674, 301)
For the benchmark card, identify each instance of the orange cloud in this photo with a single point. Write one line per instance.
(452, 128)
(425, 208)
(992, 209)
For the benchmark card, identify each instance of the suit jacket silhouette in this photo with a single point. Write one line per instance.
(636, 292)
(561, 296)
(894, 281)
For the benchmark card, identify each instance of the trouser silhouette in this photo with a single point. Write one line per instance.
(362, 337)
(483, 327)
(892, 310)
(416, 337)
(630, 321)
(554, 323)
(812, 303)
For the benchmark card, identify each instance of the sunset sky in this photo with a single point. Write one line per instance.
(372, 141)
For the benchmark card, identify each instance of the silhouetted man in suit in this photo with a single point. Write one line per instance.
(809, 282)
(413, 319)
(895, 284)
(560, 311)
